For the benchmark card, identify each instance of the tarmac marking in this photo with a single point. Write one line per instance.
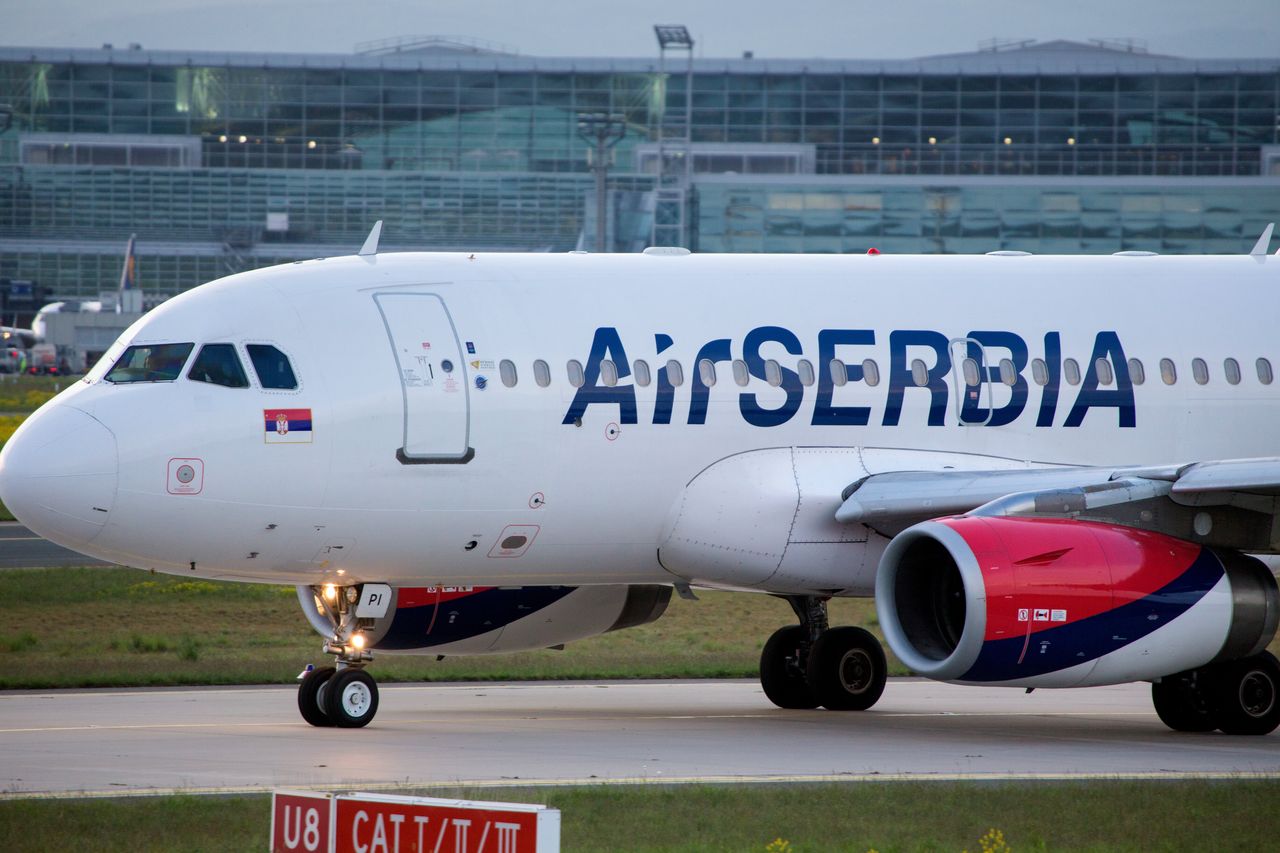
(473, 719)
(766, 779)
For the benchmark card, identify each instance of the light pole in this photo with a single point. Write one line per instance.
(603, 130)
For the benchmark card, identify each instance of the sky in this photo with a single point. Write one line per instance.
(831, 29)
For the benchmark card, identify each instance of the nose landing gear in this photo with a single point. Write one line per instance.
(343, 695)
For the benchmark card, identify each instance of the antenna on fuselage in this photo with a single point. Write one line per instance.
(1260, 247)
(370, 246)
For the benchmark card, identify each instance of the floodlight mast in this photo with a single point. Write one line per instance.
(603, 130)
(671, 191)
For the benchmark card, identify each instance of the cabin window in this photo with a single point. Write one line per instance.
(1008, 373)
(870, 372)
(641, 371)
(507, 370)
(707, 372)
(1039, 371)
(1137, 373)
(773, 372)
(1105, 374)
(1071, 371)
(150, 363)
(574, 369)
(1168, 373)
(541, 373)
(608, 373)
(838, 373)
(218, 364)
(675, 373)
(1231, 368)
(919, 373)
(805, 369)
(272, 366)
(740, 373)
(1264, 371)
(969, 367)
(1200, 371)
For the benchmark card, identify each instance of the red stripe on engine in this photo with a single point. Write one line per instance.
(1077, 568)
(425, 595)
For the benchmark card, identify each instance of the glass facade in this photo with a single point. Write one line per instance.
(221, 162)
(1142, 116)
(971, 216)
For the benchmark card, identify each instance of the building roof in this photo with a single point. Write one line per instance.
(1026, 58)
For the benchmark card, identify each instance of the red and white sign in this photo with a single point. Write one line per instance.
(186, 476)
(368, 823)
(301, 820)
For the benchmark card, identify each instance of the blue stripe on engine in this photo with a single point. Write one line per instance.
(1075, 643)
(467, 617)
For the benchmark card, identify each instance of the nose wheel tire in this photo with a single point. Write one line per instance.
(782, 669)
(1247, 696)
(311, 694)
(847, 669)
(351, 698)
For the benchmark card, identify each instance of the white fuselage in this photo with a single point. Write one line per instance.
(587, 494)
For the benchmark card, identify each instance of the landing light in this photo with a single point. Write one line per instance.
(357, 641)
(352, 595)
(330, 592)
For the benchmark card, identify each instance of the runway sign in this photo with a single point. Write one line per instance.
(301, 821)
(385, 823)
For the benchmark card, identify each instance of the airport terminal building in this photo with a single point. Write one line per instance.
(221, 162)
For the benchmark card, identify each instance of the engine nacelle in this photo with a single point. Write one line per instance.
(488, 620)
(1062, 603)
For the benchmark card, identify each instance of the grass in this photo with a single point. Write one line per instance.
(1097, 816)
(125, 627)
(115, 627)
(22, 395)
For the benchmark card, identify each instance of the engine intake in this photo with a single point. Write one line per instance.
(1063, 603)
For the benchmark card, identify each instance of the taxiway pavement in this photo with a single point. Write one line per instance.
(251, 738)
(22, 549)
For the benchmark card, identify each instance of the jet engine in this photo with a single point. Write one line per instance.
(482, 620)
(1036, 602)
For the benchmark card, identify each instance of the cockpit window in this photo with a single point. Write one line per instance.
(272, 366)
(150, 363)
(218, 364)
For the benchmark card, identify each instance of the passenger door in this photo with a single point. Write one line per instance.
(432, 376)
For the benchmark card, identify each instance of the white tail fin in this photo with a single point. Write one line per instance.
(1260, 247)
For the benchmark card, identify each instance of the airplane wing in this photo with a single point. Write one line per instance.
(1232, 503)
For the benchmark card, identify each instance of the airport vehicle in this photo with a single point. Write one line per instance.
(1048, 471)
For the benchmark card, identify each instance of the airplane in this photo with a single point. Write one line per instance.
(128, 296)
(43, 357)
(1048, 471)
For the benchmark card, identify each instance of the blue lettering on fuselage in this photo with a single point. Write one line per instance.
(1001, 358)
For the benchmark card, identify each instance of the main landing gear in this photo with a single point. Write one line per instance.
(811, 664)
(344, 695)
(1239, 697)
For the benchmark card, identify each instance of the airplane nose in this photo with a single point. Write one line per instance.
(58, 474)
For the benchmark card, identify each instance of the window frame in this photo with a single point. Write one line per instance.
(186, 359)
(297, 374)
(235, 351)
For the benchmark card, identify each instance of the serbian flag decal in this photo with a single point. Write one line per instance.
(287, 426)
